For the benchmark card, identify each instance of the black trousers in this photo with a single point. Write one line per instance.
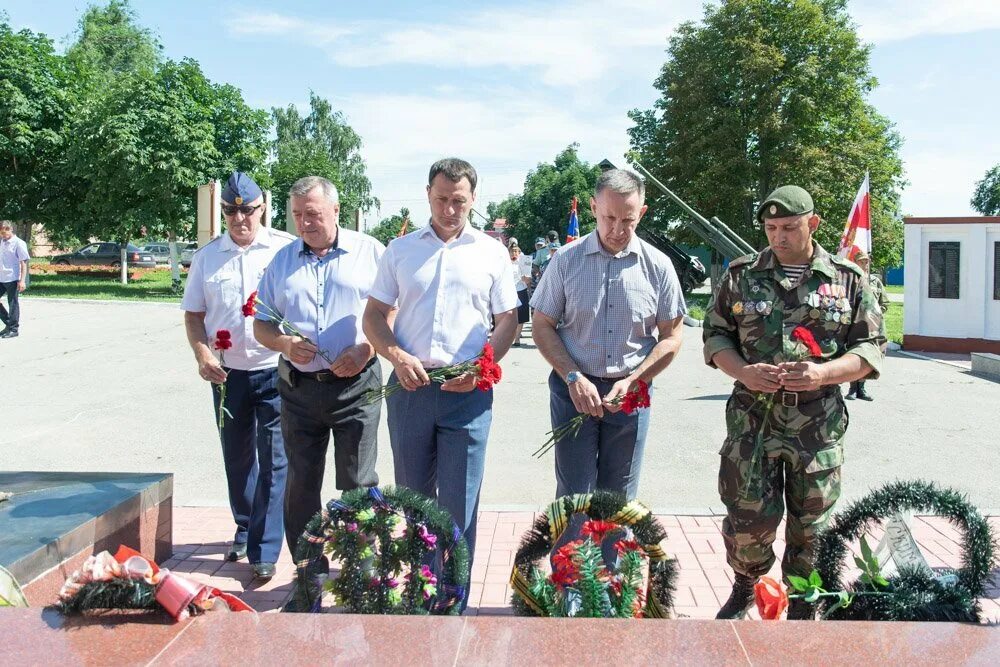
(310, 412)
(11, 315)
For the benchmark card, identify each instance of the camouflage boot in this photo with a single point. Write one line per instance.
(740, 600)
(800, 610)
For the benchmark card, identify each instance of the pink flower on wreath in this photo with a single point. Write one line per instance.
(429, 538)
(352, 527)
(427, 575)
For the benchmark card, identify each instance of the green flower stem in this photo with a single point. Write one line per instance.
(755, 470)
(282, 322)
(439, 375)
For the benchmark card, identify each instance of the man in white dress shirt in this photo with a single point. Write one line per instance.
(447, 279)
(223, 275)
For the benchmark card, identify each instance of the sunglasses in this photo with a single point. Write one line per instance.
(228, 209)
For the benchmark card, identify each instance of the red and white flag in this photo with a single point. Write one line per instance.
(858, 231)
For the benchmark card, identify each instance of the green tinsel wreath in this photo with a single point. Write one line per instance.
(113, 594)
(537, 543)
(358, 530)
(914, 595)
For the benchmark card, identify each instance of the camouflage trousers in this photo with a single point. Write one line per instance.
(799, 470)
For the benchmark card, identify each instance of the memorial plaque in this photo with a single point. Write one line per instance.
(943, 269)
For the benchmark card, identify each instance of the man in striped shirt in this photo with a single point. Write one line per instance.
(608, 312)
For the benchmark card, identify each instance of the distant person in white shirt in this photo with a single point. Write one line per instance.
(520, 267)
(223, 275)
(447, 280)
(13, 271)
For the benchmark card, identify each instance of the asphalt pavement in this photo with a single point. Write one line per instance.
(112, 386)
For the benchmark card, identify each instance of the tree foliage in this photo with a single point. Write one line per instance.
(140, 152)
(764, 93)
(548, 193)
(986, 198)
(110, 43)
(388, 228)
(319, 144)
(36, 101)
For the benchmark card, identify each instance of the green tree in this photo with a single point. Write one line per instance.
(36, 102)
(764, 93)
(986, 198)
(388, 228)
(548, 193)
(140, 152)
(319, 144)
(110, 43)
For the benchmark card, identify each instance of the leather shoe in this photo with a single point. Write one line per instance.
(9, 333)
(237, 552)
(263, 570)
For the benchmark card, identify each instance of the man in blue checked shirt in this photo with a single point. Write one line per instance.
(608, 312)
(320, 285)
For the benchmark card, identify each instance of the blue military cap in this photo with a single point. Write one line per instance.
(240, 189)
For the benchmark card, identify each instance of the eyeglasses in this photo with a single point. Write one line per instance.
(244, 209)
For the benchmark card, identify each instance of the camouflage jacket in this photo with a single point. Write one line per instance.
(878, 289)
(756, 307)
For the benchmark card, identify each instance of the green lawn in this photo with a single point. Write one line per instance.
(894, 322)
(696, 304)
(894, 289)
(154, 286)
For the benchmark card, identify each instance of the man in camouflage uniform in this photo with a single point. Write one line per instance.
(786, 404)
(878, 289)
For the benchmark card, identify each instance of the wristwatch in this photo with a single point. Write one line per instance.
(573, 376)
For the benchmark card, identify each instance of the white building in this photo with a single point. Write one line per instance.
(952, 284)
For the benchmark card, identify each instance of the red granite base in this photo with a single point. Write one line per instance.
(33, 637)
(150, 532)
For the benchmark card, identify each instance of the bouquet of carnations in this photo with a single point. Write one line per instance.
(483, 365)
(630, 401)
(594, 579)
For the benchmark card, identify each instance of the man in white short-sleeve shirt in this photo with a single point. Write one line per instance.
(447, 279)
(224, 273)
(13, 272)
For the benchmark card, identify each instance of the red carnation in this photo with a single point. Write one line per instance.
(250, 307)
(596, 529)
(223, 340)
(805, 337)
(624, 546)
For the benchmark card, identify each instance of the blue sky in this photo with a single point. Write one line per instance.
(509, 84)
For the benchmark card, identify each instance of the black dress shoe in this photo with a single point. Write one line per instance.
(10, 333)
(263, 570)
(237, 552)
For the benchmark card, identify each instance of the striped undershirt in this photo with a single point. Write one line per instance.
(794, 271)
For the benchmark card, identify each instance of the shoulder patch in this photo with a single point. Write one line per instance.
(744, 260)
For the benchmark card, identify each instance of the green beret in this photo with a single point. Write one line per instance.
(785, 201)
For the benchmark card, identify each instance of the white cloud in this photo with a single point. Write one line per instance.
(572, 45)
(503, 137)
(942, 181)
(882, 21)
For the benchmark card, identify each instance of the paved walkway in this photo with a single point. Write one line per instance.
(201, 537)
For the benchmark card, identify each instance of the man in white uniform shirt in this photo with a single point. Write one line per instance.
(447, 280)
(223, 275)
(320, 285)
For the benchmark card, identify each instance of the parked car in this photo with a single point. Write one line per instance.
(106, 254)
(187, 253)
(159, 251)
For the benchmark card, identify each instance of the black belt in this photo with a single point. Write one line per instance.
(594, 378)
(327, 377)
(792, 399)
